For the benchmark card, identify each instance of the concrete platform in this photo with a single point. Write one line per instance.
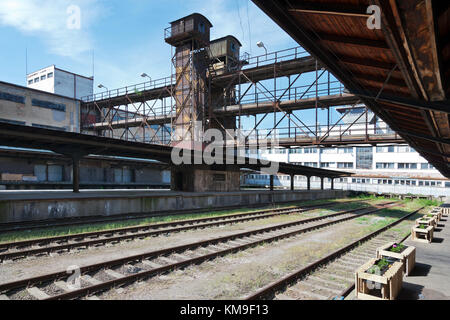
(430, 279)
(19, 206)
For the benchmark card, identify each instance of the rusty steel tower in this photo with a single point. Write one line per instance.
(194, 66)
(190, 37)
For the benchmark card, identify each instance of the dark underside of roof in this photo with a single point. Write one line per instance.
(400, 71)
(76, 145)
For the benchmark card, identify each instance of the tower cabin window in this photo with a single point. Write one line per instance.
(201, 27)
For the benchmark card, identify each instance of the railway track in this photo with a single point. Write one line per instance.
(46, 224)
(332, 276)
(109, 274)
(22, 249)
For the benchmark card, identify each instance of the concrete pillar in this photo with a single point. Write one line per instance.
(309, 183)
(271, 182)
(321, 183)
(76, 174)
(292, 182)
(332, 183)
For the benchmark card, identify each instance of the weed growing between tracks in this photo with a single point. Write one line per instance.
(237, 275)
(68, 230)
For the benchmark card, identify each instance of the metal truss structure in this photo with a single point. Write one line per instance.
(261, 87)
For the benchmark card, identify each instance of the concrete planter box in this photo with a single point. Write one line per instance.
(407, 257)
(379, 287)
(422, 235)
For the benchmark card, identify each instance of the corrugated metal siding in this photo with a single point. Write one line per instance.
(118, 175)
(127, 176)
(40, 171)
(55, 173)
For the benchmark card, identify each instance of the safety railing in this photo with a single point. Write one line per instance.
(257, 61)
(292, 94)
(132, 89)
(339, 132)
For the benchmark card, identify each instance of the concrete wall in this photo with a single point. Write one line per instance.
(24, 112)
(186, 178)
(41, 209)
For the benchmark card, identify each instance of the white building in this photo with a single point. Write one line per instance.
(60, 82)
(395, 169)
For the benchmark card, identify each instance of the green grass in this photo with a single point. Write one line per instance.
(68, 230)
(390, 215)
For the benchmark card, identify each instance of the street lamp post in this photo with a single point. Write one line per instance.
(144, 75)
(260, 44)
(103, 87)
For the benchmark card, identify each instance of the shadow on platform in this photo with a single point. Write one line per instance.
(437, 240)
(412, 291)
(420, 270)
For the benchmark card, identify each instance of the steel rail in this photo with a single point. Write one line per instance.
(292, 277)
(30, 225)
(164, 252)
(140, 231)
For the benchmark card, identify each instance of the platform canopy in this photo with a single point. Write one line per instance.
(400, 70)
(78, 145)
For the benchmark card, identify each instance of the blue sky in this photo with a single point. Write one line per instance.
(127, 37)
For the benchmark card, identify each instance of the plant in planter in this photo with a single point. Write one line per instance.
(379, 279)
(422, 233)
(397, 248)
(399, 252)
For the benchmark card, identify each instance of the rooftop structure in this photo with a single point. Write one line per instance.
(61, 82)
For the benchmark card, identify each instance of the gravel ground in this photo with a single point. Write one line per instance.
(35, 266)
(237, 275)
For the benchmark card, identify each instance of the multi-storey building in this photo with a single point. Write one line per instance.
(61, 82)
(382, 169)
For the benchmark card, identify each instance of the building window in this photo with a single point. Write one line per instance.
(328, 151)
(405, 149)
(310, 150)
(409, 166)
(389, 149)
(311, 164)
(426, 166)
(327, 164)
(12, 97)
(345, 150)
(36, 80)
(364, 157)
(345, 165)
(201, 27)
(30, 81)
(297, 150)
(50, 75)
(43, 77)
(382, 165)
